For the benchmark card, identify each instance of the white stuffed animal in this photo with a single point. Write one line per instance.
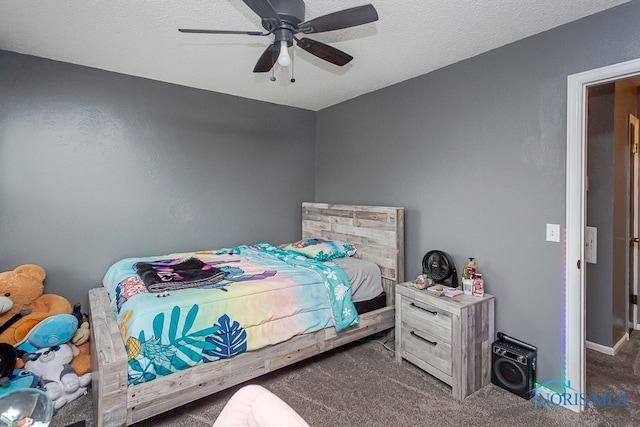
(61, 382)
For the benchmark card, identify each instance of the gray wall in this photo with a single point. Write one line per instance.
(600, 170)
(476, 152)
(625, 105)
(97, 166)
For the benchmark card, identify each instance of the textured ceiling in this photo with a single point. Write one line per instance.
(140, 38)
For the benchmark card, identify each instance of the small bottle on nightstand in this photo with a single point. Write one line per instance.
(478, 285)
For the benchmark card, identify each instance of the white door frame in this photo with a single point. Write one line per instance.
(577, 85)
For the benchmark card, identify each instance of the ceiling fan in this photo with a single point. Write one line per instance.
(285, 18)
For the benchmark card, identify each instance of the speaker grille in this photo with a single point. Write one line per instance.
(513, 368)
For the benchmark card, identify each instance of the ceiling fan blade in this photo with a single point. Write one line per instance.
(342, 19)
(264, 9)
(196, 31)
(324, 51)
(267, 59)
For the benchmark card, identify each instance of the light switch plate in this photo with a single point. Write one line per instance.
(591, 245)
(553, 232)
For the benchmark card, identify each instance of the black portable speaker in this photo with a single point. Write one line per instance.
(513, 365)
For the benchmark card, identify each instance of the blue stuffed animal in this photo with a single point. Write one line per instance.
(19, 379)
(52, 331)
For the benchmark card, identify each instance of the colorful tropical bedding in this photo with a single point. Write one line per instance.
(267, 295)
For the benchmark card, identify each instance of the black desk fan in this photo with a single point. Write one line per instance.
(438, 265)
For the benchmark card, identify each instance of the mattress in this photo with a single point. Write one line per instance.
(364, 276)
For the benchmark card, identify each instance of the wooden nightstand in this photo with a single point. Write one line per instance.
(450, 338)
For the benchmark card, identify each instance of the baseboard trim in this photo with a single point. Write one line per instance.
(611, 351)
(599, 348)
(622, 341)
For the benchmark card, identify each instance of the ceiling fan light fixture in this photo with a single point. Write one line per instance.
(283, 58)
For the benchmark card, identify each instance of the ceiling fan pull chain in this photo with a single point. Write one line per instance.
(293, 80)
(273, 74)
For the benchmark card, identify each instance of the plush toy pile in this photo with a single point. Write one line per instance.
(44, 342)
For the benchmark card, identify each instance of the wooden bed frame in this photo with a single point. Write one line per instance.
(378, 233)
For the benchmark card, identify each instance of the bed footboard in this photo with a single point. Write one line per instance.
(115, 404)
(108, 363)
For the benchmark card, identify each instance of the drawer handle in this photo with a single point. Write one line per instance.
(433, 343)
(424, 309)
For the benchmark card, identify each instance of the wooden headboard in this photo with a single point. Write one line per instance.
(377, 232)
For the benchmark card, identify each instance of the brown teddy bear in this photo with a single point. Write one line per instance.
(23, 303)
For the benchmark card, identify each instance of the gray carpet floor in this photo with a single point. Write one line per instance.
(361, 385)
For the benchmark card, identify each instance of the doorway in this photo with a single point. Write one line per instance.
(634, 222)
(577, 85)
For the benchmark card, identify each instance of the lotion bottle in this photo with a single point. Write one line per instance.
(469, 268)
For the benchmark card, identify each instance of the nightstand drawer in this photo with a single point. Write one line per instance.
(427, 348)
(427, 318)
